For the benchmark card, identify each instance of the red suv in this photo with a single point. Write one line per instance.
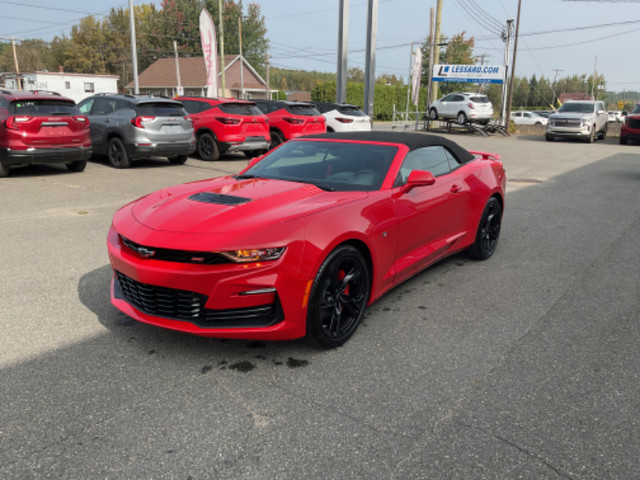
(630, 128)
(42, 128)
(291, 119)
(227, 125)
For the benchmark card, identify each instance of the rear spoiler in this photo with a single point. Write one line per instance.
(485, 155)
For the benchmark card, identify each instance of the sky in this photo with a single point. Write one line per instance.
(556, 37)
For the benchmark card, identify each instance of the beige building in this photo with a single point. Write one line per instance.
(161, 78)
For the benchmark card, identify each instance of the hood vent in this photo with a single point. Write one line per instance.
(218, 198)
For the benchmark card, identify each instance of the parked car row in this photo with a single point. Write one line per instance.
(44, 127)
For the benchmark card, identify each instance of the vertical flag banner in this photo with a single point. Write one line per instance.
(209, 48)
(416, 73)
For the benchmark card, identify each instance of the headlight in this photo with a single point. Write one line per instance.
(254, 254)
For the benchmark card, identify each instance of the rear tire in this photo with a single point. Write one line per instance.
(488, 232)
(208, 147)
(178, 160)
(77, 166)
(117, 154)
(276, 139)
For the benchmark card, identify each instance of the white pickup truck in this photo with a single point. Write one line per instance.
(584, 119)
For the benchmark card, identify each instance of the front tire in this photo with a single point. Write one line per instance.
(433, 114)
(592, 135)
(623, 141)
(549, 138)
(207, 147)
(461, 118)
(488, 232)
(117, 154)
(4, 171)
(603, 134)
(77, 166)
(339, 295)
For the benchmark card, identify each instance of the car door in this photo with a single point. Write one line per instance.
(430, 218)
(448, 107)
(100, 119)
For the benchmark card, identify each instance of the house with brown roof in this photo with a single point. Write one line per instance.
(161, 78)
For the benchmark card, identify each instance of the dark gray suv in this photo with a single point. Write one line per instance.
(131, 127)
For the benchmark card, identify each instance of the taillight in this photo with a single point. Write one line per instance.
(344, 120)
(82, 119)
(13, 123)
(228, 120)
(138, 121)
(293, 121)
(471, 106)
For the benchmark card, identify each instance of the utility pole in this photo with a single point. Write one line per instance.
(15, 60)
(370, 60)
(241, 59)
(513, 66)
(221, 28)
(430, 73)
(343, 34)
(268, 93)
(436, 51)
(179, 89)
(504, 121)
(555, 85)
(134, 53)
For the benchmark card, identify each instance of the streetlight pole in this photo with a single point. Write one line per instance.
(134, 54)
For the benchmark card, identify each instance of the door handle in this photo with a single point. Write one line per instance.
(455, 188)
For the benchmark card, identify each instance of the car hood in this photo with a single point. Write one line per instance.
(227, 204)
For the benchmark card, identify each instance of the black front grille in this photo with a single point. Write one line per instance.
(634, 123)
(177, 256)
(189, 306)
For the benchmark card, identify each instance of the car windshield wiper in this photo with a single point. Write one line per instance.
(246, 176)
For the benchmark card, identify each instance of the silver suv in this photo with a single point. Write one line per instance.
(463, 107)
(584, 119)
(131, 127)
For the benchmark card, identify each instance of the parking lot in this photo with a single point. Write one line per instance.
(523, 366)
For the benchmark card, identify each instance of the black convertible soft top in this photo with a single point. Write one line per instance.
(411, 140)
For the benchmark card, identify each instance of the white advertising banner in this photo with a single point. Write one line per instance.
(209, 48)
(416, 73)
(469, 73)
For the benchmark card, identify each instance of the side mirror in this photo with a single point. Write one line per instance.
(418, 178)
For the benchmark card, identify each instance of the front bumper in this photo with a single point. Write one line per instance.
(228, 300)
(42, 156)
(137, 151)
(579, 132)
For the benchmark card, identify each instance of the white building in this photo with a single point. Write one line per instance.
(76, 86)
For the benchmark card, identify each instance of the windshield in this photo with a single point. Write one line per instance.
(351, 110)
(333, 166)
(577, 107)
(240, 109)
(636, 109)
(306, 110)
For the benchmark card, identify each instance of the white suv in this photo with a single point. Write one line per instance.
(464, 107)
(579, 119)
(344, 117)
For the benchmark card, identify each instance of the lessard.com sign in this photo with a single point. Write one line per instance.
(469, 73)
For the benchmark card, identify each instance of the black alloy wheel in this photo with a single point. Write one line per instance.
(117, 154)
(488, 232)
(207, 147)
(338, 298)
(276, 139)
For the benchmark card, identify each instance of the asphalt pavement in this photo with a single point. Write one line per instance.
(524, 366)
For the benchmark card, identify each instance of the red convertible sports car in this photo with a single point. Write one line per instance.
(305, 237)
